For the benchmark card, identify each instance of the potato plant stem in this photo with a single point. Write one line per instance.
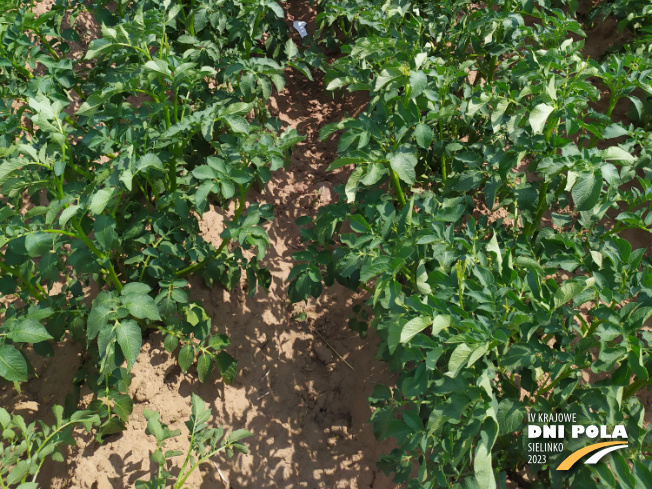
(82, 172)
(172, 171)
(28, 446)
(443, 169)
(176, 106)
(491, 68)
(45, 442)
(82, 235)
(180, 482)
(550, 128)
(443, 157)
(137, 48)
(61, 231)
(160, 467)
(191, 25)
(47, 45)
(12, 271)
(566, 371)
(23, 71)
(541, 208)
(561, 187)
(591, 330)
(613, 100)
(397, 187)
(634, 387)
(107, 390)
(142, 272)
(168, 120)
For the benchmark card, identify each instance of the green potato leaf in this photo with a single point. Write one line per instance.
(539, 116)
(13, 366)
(404, 164)
(413, 327)
(587, 189)
(129, 337)
(28, 331)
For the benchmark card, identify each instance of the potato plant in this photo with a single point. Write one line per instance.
(109, 158)
(494, 176)
(25, 447)
(204, 443)
(484, 214)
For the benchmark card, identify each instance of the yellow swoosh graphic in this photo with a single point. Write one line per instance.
(575, 456)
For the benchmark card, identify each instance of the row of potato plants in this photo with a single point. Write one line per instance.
(110, 152)
(491, 184)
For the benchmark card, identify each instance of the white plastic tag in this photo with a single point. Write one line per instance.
(300, 26)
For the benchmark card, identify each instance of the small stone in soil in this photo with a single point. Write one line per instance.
(325, 193)
(323, 353)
